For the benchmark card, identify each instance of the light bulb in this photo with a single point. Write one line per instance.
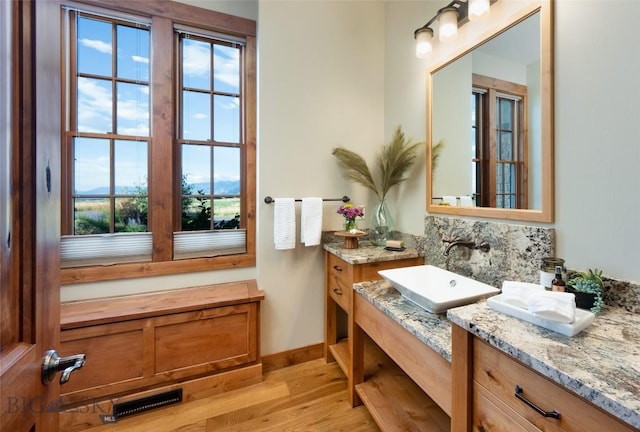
(478, 9)
(423, 36)
(448, 24)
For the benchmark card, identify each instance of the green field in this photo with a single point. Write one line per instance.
(92, 215)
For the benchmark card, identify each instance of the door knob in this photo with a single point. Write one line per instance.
(53, 363)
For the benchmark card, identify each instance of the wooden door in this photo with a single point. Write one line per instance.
(29, 212)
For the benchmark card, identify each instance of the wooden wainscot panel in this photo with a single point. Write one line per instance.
(220, 337)
(113, 357)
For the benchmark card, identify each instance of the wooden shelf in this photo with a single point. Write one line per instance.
(394, 401)
(340, 352)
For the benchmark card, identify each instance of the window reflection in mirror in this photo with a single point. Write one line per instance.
(486, 108)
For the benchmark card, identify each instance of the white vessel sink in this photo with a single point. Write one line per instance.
(435, 289)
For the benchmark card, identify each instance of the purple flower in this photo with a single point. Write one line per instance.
(349, 211)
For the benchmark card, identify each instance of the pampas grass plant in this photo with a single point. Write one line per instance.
(392, 164)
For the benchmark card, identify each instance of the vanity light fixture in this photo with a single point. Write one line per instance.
(423, 36)
(478, 9)
(449, 19)
(448, 24)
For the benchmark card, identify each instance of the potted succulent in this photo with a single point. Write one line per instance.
(587, 287)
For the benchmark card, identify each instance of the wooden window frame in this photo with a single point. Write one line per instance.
(486, 148)
(163, 148)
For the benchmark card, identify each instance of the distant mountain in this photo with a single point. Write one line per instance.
(222, 187)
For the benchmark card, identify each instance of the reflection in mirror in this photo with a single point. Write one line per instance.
(482, 105)
(491, 106)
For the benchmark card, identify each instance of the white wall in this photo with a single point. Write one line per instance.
(405, 103)
(321, 85)
(451, 102)
(598, 136)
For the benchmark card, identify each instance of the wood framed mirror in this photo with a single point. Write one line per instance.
(490, 102)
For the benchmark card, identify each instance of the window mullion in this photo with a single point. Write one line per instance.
(161, 154)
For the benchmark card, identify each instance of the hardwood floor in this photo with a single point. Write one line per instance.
(307, 397)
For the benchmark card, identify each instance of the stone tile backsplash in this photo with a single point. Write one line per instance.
(515, 254)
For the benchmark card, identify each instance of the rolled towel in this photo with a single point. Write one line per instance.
(517, 293)
(553, 306)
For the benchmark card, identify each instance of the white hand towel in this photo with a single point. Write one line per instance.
(284, 223)
(449, 199)
(553, 305)
(311, 221)
(517, 293)
(466, 201)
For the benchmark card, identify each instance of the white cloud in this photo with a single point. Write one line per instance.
(138, 130)
(227, 68)
(97, 45)
(139, 59)
(200, 116)
(94, 106)
(196, 60)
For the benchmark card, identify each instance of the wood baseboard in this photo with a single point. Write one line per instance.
(292, 357)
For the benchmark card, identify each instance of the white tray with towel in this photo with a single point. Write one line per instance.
(582, 320)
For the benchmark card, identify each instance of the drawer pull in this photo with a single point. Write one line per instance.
(337, 268)
(553, 413)
(338, 291)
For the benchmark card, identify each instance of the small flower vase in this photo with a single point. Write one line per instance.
(350, 224)
(382, 224)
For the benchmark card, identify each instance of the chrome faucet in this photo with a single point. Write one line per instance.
(484, 246)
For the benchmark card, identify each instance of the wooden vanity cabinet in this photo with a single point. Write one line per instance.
(339, 279)
(493, 379)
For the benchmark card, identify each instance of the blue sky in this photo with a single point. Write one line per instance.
(95, 105)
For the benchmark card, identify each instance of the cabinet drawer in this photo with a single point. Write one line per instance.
(487, 417)
(339, 270)
(340, 292)
(499, 374)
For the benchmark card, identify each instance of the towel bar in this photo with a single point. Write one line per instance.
(269, 200)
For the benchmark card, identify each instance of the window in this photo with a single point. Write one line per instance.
(109, 126)
(159, 148)
(499, 144)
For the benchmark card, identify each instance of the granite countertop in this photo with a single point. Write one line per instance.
(432, 329)
(368, 253)
(601, 363)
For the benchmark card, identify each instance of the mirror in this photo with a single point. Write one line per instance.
(504, 79)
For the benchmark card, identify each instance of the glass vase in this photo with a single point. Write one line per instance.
(382, 224)
(350, 224)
